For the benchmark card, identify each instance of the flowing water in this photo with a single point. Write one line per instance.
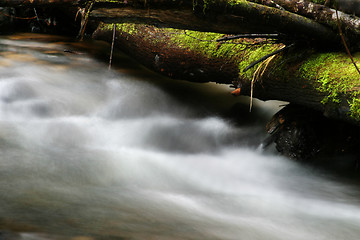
(87, 153)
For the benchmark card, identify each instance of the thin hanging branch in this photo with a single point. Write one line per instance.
(112, 45)
(250, 35)
(344, 42)
(85, 19)
(259, 72)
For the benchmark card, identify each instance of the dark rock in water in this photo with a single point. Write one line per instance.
(35, 27)
(305, 134)
(292, 132)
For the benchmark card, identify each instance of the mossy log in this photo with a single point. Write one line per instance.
(325, 81)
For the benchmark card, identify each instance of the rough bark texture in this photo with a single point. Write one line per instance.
(21, 3)
(218, 16)
(321, 14)
(156, 49)
(324, 81)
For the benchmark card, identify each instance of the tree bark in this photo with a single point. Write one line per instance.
(21, 3)
(219, 16)
(322, 14)
(322, 81)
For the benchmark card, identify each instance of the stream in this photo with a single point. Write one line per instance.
(87, 153)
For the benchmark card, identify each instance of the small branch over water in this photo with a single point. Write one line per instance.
(112, 45)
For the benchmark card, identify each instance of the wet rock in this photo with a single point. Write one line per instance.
(304, 134)
(6, 20)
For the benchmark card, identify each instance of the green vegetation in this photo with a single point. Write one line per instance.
(318, 1)
(330, 73)
(336, 76)
(333, 73)
(109, 1)
(205, 44)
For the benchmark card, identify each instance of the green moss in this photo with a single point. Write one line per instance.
(105, 27)
(237, 2)
(252, 54)
(109, 1)
(322, 2)
(195, 41)
(129, 28)
(336, 76)
(330, 73)
(205, 44)
(355, 108)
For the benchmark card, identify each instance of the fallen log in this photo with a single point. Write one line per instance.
(304, 75)
(324, 15)
(26, 3)
(325, 81)
(230, 17)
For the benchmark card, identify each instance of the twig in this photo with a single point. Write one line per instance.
(267, 56)
(112, 45)
(250, 35)
(344, 42)
(255, 75)
(86, 19)
(37, 17)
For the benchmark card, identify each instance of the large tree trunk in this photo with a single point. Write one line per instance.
(26, 3)
(218, 16)
(324, 81)
(330, 17)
